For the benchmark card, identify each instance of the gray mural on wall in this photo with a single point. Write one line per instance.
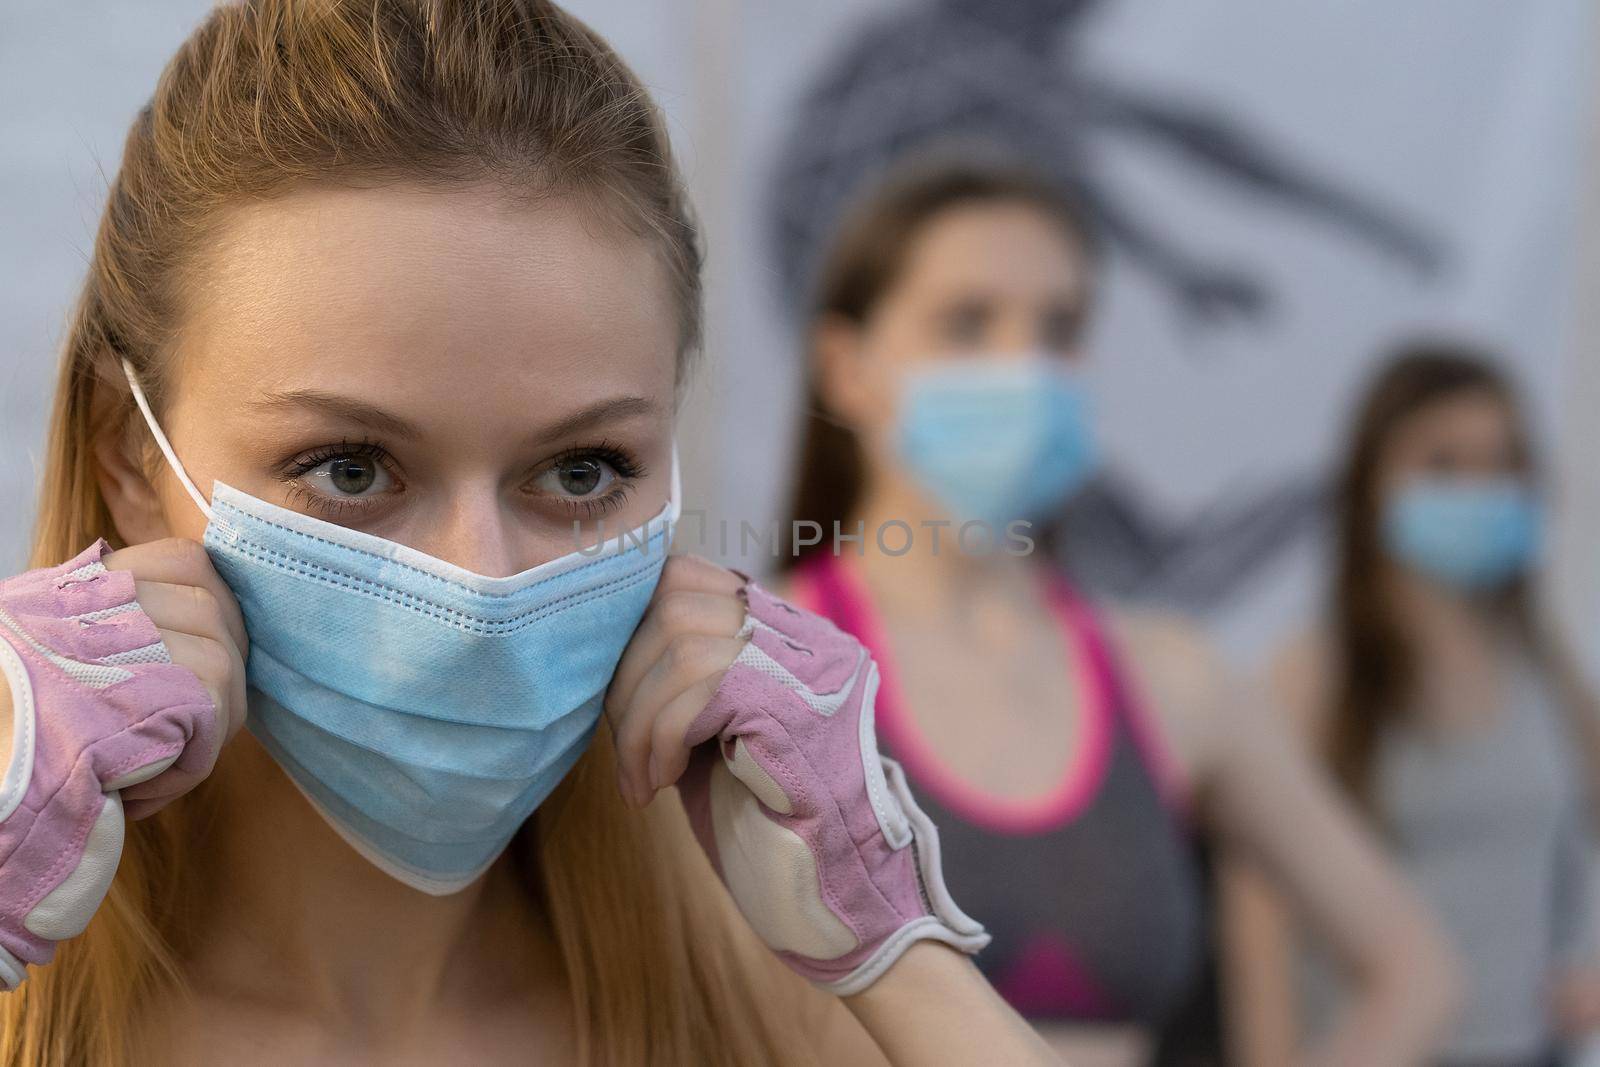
(1006, 78)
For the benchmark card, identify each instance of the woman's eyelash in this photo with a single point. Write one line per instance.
(598, 507)
(296, 494)
(626, 468)
(310, 461)
(614, 456)
(623, 464)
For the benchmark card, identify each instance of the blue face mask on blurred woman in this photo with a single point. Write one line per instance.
(424, 710)
(1473, 535)
(996, 439)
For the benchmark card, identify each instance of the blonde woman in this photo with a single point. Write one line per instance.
(391, 299)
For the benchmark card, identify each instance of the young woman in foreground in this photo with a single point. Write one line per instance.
(410, 288)
(1067, 749)
(1450, 714)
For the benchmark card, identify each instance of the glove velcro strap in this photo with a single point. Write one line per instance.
(945, 922)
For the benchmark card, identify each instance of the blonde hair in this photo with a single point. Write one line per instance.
(265, 94)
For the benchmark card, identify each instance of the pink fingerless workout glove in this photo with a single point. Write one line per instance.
(813, 832)
(97, 706)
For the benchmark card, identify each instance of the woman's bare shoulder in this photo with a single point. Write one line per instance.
(1300, 679)
(1178, 677)
(1197, 696)
(1167, 641)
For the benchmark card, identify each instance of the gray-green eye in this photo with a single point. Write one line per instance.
(346, 476)
(352, 476)
(578, 478)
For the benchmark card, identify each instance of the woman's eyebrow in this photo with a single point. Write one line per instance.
(345, 408)
(393, 425)
(620, 407)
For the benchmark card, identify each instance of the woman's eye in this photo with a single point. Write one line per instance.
(578, 478)
(1060, 330)
(346, 476)
(966, 325)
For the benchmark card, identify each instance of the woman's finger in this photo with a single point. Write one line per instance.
(221, 673)
(688, 660)
(680, 612)
(190, 609)
(694, 574)
(213, 663)
(178, 561)
(669, 753)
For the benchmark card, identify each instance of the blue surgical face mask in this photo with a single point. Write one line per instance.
(424, 710)
(996, 439)
(1471, 535)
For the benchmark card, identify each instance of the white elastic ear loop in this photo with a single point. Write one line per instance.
(161, 440)
(675, 489)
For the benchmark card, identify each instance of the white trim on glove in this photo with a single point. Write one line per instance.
(24, 724)
(948, 923)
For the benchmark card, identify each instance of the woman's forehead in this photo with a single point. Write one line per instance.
(1006, 244)
(1477, 420)
(462, 292)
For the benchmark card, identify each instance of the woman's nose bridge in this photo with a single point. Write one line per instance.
(1016, 331)
(475, 530)
(1017, 337)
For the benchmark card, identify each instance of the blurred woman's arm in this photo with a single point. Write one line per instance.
(1272, 806)
(1258, 943)
(1575, 988)
(1276, 806)
(1256, 946)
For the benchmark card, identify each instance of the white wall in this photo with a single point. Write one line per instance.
(1467, 115)
(72, 76)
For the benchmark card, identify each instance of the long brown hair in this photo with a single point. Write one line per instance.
(1375, 657)
(266, 94)
(865, 261)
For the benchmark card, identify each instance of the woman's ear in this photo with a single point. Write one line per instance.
(132, 500)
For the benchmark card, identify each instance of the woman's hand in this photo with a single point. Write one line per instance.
(202, 628)
(763, 714)
(125, 673)
(684, 646)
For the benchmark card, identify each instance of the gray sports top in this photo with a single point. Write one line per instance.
(1491, 827)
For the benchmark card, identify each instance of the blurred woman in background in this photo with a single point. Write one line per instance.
(1063, 749)
(1447, 713)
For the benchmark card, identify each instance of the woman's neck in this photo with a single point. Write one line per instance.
(1458, 641)
(292, 907)
(1441, 618)
(937, 574)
